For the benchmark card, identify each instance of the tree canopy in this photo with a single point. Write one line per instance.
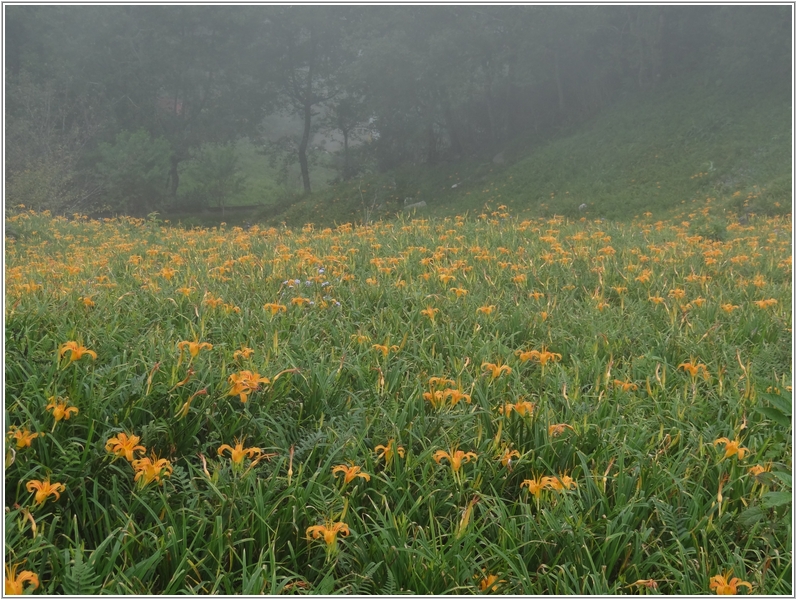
(90, 89)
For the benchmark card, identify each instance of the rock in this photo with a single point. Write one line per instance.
(582, 207)
(421, 204)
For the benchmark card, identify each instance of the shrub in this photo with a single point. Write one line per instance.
(134, 171)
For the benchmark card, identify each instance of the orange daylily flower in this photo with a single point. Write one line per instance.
(44, 489)
(506, 457)
(152, 469)
(238, 453)
(455, 458)
(121, 445)
(388, 452)
(274, 308)
(724, 587)
(194, 347)
(15, 583)
(435, 381)
(350, 472)
(437, 398)
(244, 383)
(212, 302)
(76, 351)
(487, 310)
(732, 447)
(756, 470)
(542, 356)
(562, 482)
(60, 408)
(677, 293)
(329, 531)
(694, 369)
(430, 312)
(496, 369)
(522, 407)
(489, 583)
(558, 429)
(626, 385)
(459, 292)
(244, 353)
(765, 303)
(385, 349)
(23, 437)
(456, 396)
(536, 485)
(30, 287)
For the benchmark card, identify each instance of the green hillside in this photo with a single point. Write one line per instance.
(683, 141)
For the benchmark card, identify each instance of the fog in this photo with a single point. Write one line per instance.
(132, 109)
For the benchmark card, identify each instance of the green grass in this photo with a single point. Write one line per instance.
(641, 443)
(266, 189)
(688, 139)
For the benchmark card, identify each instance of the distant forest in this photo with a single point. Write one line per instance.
(114, 108)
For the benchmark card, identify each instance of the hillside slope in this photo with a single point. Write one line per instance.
(685, 141)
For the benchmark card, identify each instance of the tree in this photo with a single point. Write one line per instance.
(306, 48)
(213, 175)
(134, 171)
(394, 67)
(346, 114)
(199, 76)
(436, 82)
(184, 73)
(51, 118)
(48, 130)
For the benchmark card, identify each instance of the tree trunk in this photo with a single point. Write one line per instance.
(558, 81)
(490, 111)
(456, 144)
(431, 140)
(307, 105)
(303, 145)
(510, 112)
(174, 176)
(346, 166)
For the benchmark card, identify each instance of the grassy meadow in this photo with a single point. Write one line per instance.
(673, 145)
(480, 404)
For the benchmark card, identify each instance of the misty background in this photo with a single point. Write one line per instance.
(134, 109)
